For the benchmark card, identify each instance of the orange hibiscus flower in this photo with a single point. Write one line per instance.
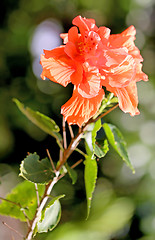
(91, 59)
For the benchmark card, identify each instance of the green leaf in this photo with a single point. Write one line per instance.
(90, 176)
(96, 128)
(101, 148)
(50, 216)
(107, 102)
(72, 173)
(23, 196)
(42, 121)
(88, 151)
(117, 142)
(34, 170)
(90, 137)
(63, 169)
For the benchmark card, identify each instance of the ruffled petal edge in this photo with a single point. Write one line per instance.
(78, 110)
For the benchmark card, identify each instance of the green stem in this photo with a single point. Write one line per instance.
(75, 141)
(104, 114)
(66, 153)
(43, 202)
(79, 151)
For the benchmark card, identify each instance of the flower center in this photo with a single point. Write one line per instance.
(88, 43)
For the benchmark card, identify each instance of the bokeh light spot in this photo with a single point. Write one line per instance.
(46, 36)
(147, 132)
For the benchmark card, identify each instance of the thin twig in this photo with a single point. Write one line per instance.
(104, 114)
(42, 205)
(59, 143)
(25, 215)
(73, 166)
(21, 208)
(100, 116)
(50, 158)
(14, 230)
(80, 130)
(71, 131)
(17, 204)
(73, 144)
(64, 133)
(60, 155)
(79, 151)
(75, 141)
(77, 163)
(37, 194)
(44, 200)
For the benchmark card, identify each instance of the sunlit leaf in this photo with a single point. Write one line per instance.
(42, 121)
(117, 142)
(107, 103)
(72, 173)
(88, 151)
(63, 169)
(96, 128)
(35, 170)
(101, 148)
(50, 216)
(90, 176)
(23, 196)
(90, 137)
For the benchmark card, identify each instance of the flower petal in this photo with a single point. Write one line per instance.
(104, 34)
(71, 51)
(64, 36)
(126, 39)
(139, 74)
(130, 31)
(115, 57)
(77, 76)
(79, 110)
(110, 58)
(123, 74)
(127, 98)
(57, 66)
(73, 34)
(90, 85)
(84, 24)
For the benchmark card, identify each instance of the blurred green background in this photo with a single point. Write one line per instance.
(124, 204)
